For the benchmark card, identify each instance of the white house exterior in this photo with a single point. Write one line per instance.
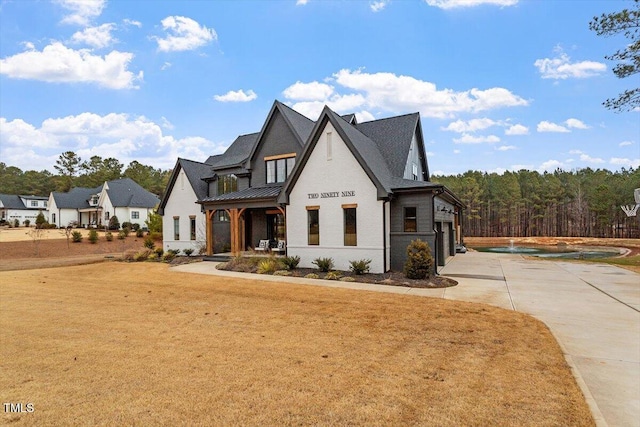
(184, 226)
(21, 208)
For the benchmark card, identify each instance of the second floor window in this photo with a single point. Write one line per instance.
(227, 184)
(279, 169)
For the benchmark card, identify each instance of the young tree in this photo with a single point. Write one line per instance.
(67, 165)
(627, 23)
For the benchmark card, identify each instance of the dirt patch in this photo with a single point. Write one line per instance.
(138, 343)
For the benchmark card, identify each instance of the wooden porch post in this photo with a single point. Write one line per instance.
(209, 231)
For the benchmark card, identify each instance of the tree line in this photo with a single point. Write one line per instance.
(583, 202)
(72, 172)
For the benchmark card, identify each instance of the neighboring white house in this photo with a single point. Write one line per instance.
(185, 227)
(21, 207)
(93, 207)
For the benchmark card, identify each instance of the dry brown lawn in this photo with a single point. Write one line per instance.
(137, 344)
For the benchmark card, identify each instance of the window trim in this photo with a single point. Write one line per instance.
(407, 218)
(275, 177)
(176, 228)
(192, 227)
(311, 210)
(348, 240)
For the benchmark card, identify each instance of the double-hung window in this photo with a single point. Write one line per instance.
(410, 222)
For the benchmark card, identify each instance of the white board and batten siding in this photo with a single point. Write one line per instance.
(332, 178)
(181, 204)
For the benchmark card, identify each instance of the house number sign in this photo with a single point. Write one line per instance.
(331, 194)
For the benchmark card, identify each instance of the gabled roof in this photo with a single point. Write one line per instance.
(76, 198)
(11, 201)
(300, 125)
(126, 192)
(194, 171)
(393, 137)
(33, 197)
(237, 153)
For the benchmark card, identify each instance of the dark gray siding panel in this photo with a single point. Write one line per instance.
(399, 243)
(399, 240)
(221, 236)
(243, 183)
(278, 139)
(258, 227)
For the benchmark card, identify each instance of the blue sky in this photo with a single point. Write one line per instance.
(500, 84)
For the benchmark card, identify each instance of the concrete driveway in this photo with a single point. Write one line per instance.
(592, 309)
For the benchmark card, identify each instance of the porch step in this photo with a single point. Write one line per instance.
(217, 258)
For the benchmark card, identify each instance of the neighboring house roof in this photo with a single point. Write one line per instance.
(11, 201)
(195, 172)
(126, 192)
(33, 197)
(270, 192)
(76, 198)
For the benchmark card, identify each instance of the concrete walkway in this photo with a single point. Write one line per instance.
(592, 309)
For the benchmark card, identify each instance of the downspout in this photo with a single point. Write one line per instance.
(435, 231)
(384, 236)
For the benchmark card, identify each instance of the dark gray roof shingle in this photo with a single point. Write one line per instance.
(237, 153)
(76, 198)
(195, 171)
(11, 201)
(301, 125)
(126, 192)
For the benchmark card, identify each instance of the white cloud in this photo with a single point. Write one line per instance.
(313, 91)
(387, 92)
(59, 64)
(301, 2)
(472, 125)
(165, 66)
(588, 159)
(576, 124)
(550, 166)
(236, 96)
(519, 167)
(88, 134)
(97, 37)
(132, 22)
(625, 143)
(506, 147)
(561, 67)
(470, 139)
(545, 126)
(575, 152)
(452, 4)
(166, 124)
(377, 6)
(517, 129)
(81, 11)
(184, 34)
(634, 163)
(456, 151)
(344, 104)
(364, 116)
(28, 45)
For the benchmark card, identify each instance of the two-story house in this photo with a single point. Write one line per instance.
(19, 207)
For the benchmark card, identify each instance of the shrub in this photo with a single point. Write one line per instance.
(41, 221)
(360, 267)
(267, 266)
(347, 279)
(154, 223)
(419, 260)
(282, 273)
(139, 233)
(76, 236)
(290, 262)
(135, 227)
(126, 231)
(122, 234)
(188, 251)
(16, 223)
(126, 224)
(173, 251)
(168, 256)
(312, 276)
(114, 224)
(142, 255)
(155, 235)
(93, 236)
(333, 275)
(159, 251)
(324, 264)
(27, 222)
(153, 256)
(108, 236)
(149, 243)
(129, 255)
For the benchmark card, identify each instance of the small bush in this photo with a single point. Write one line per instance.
(76, 236)
(290, 262)
(153, 256)
(333, 275)
(347, 279)
(360, 267)
(126, 224)
(173, 251)
(41, 221)
(27, 222)
(93, 236)
(155, 235)
(122, 234)
(129, 255)
(168, 256)
(419, 260)
(135, 227)
(149, 243)
(142, 255)
(312, 276)
(126, 231)
(109, 236)
(267, 266)
(139, 232)
(16, 223)
(159, 252)
(188, 251)
(324, 264)
(114, 224)
(282, 273)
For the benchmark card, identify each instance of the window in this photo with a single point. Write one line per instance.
(227, 184)
(176, 228)
(53, 217)
(192, 227)
(45, 203)
(222, 216)
(410, 224)
(329, 146)
(313, 219)
(106, 216)
(135, 215)
(350, 227)
(34, 203)
(415, 172)
(279, 167)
